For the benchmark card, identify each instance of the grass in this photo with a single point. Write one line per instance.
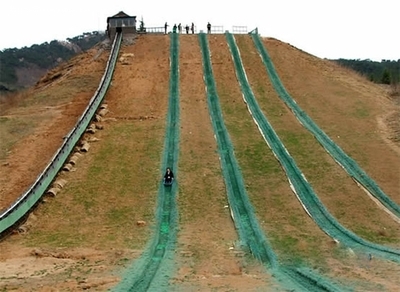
(384, 236)
(102, 198)
(302, 147)
(361, 111)
(64, 92)
(264, 179)
(12, 129)
(12, 100)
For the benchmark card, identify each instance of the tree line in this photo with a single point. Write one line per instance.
(384, 72)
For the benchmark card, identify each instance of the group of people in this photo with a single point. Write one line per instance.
(178, 28)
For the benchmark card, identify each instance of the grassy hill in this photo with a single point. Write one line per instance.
(88, 234)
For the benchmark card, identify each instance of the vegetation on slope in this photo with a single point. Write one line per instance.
(37, 59)
(384, 72)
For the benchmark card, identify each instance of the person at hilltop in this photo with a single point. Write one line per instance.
(192, 28)
(141, 27)
(180, 28)
(165, 28)
(187, 29)
(208, 27)
(174, 28)
(168, 176)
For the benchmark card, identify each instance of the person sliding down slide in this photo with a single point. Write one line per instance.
(168, 177)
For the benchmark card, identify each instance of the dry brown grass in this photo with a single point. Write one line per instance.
(11, 100)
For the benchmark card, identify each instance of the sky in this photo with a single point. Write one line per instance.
(349, 29)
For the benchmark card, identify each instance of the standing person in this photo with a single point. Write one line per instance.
(142, 28)
(192, 28)
(187, 29)
(168, 176)
(165, 28)
(180, 28)
(174, 28)
(208, 27)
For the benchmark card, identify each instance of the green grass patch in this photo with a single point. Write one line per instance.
(361, 110)
(56, 238)
(63, 92)
(288, 250)
(117, 215)
(12, 129)
(303, 148)
(383, 236)
(110, 193)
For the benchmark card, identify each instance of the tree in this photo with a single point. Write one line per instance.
(386, 77)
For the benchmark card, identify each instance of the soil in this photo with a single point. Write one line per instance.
(357, 114)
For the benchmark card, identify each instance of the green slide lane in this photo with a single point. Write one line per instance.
(351, 166)
(153, 269)
(251, 234)
(300, 185)
(245, 220)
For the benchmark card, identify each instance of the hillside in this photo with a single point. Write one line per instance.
(86, 235)
(22, 67)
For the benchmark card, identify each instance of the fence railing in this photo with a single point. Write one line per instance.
(156, 29)
(216, 29)
(239, 29)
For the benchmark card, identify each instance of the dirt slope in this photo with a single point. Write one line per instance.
(84, 237)
(347, 107)
(285, 221)
(47, 114)
(207, 234)
(335, 188)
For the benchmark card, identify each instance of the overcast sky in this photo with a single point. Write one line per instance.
(349, 29)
